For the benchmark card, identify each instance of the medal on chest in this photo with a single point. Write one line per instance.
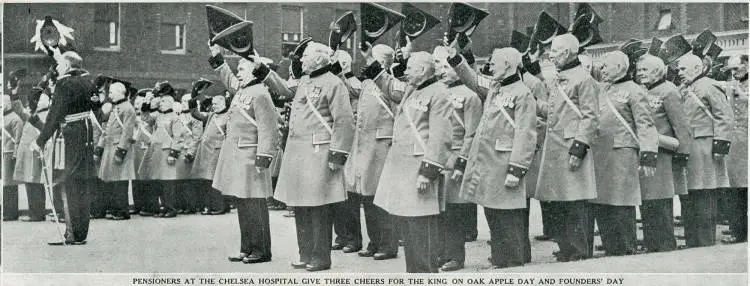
(458, 102)
(504, 100)
(243, 101)
(654, 102)
(420, 104)
(314, 93)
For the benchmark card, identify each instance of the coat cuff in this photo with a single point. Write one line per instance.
(120, 153)
(469, 56)
(336, 68)
(517, 171)
(578, 149)
(216, 61)
(648, 159)
(263, 161)
(372, 71)
(455, 61)
(721, 147)
(534, 68)
(174, 153)
(189, 158)
(680, 160)
(337, 157)
(261, 72)
(34, 120)
(460, 164)
(146, 107)
(430, 170)
(98, 151)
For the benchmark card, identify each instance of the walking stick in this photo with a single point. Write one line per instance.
(48, 188)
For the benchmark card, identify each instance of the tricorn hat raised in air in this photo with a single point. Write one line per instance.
(219, 19)
(714, 51)
(519, 41)
(586, 32)
(238, 38)
(376, 21)
(164, 88)
(674, 48)
(655, 46)
(416, 23)
(634, 49)
(545, 29)
(463, 19)
(703, 42)
(200, 85)
(341, 30)
(300, 49)
(586, 9)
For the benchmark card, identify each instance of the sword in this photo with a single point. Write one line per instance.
(48, 188)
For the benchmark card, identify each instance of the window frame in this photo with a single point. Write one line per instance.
(661, 14)
(176, 51)
(301, 29)
(118, 47)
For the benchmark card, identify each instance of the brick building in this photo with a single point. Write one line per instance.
(146, 42)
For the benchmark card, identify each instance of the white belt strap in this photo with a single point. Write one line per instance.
(620, 118)
(415, 131)
(247, 116)
(6, 133)
(383, 104)
(458, 118)
(507, 117)
(319, 116)
(218, 126)
(119, 121)
(185, 126)
(568, 101)
(701, 105)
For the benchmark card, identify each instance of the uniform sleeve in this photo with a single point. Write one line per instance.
(196, 130)
(678, 119)
(225, 73)
(17, 129)
(524, 136)
(343, 124)
(354, 86)
(588, 104)
(128, 128)
(392, 88)
(648, 136)
(60, 101)
(275, 83)
(722, 113)
(266, 118)
(480, 84)
(472, 115)
(439, 141)
(200, 116)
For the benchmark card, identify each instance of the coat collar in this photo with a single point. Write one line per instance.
(349, 75)
(253, 82)
(427, 83)
(6, 112)
(657, 83)
(166, 111)
(743, 79)
(42, 110)
(455, 83)
(694, 81)
(574, 63)
(510, 80)
(623, 79)
(226, 108)
(119, 101)
(320, 71)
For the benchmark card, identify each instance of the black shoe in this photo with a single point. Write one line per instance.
(729, 240)
(94, 216)
(313, 268)
(61, 242)
(168, 215)
(366, 253)
(31, 219)
(351, 248)
(117, 217)
(542, 237)
(337, 246)
(452, 266)
(132, 212)
(145, 213)
(384, 256)
(299, 265)
(237, 258)
(216, 212)
(681, 247)
(252, 258)
(289, 214)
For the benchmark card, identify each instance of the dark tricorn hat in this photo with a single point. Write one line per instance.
(702, 43)
(238, 38)
(300, 48)
(416, 23)
(200, 85)
(219, 19)
(464, 18)
(545, 29)
(714, 51)
(585, 30)
(633, 49)
(142, 92)
(655, 46)
(164, 88)
(674, 48)
(341, 30)
(519, 41)
(586, 9)
(103, 81)
(376, 21)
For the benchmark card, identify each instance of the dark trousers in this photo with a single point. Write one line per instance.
(346, 222)
(35, 195)
(574, 239)
(526, 240)
(75, 197)
(187, 195)
(255, 232)
(314, 233)
(381, 228)
(472, 231)
(506, 236)
(723, 205)
(699, 216)
(99, 198)
(617, 228)
(167, 195)
(10, 202)
(421, 243)
(738, 211)
(117, 195)
(212, 198)
(550, 219)
(658, 225)
(141, 199)
(454, 228)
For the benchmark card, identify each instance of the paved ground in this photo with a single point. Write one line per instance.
(195, 243)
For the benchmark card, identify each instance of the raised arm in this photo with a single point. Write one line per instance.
(480, 84)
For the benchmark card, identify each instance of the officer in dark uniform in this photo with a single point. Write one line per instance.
(71, 121)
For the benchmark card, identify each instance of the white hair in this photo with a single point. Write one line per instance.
(441, 53)
(510, 55)
(691, 60)
(117, 87)
(319, 50)
(73, 59)
(383, 53)
(344, 59)
(654, 62)
(619, 58)
(568, 42)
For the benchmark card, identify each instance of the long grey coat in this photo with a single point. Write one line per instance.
(556, 181)
(11, 136)
(169, 134)
(737, 158)
(28, 167)
(498, 146)
(541, 94)
(209, 146)
(119, 134)
(466, 111)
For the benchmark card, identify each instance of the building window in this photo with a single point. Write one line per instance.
(665, 20)
(292, 25)
(172, 38)
(107, 27)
